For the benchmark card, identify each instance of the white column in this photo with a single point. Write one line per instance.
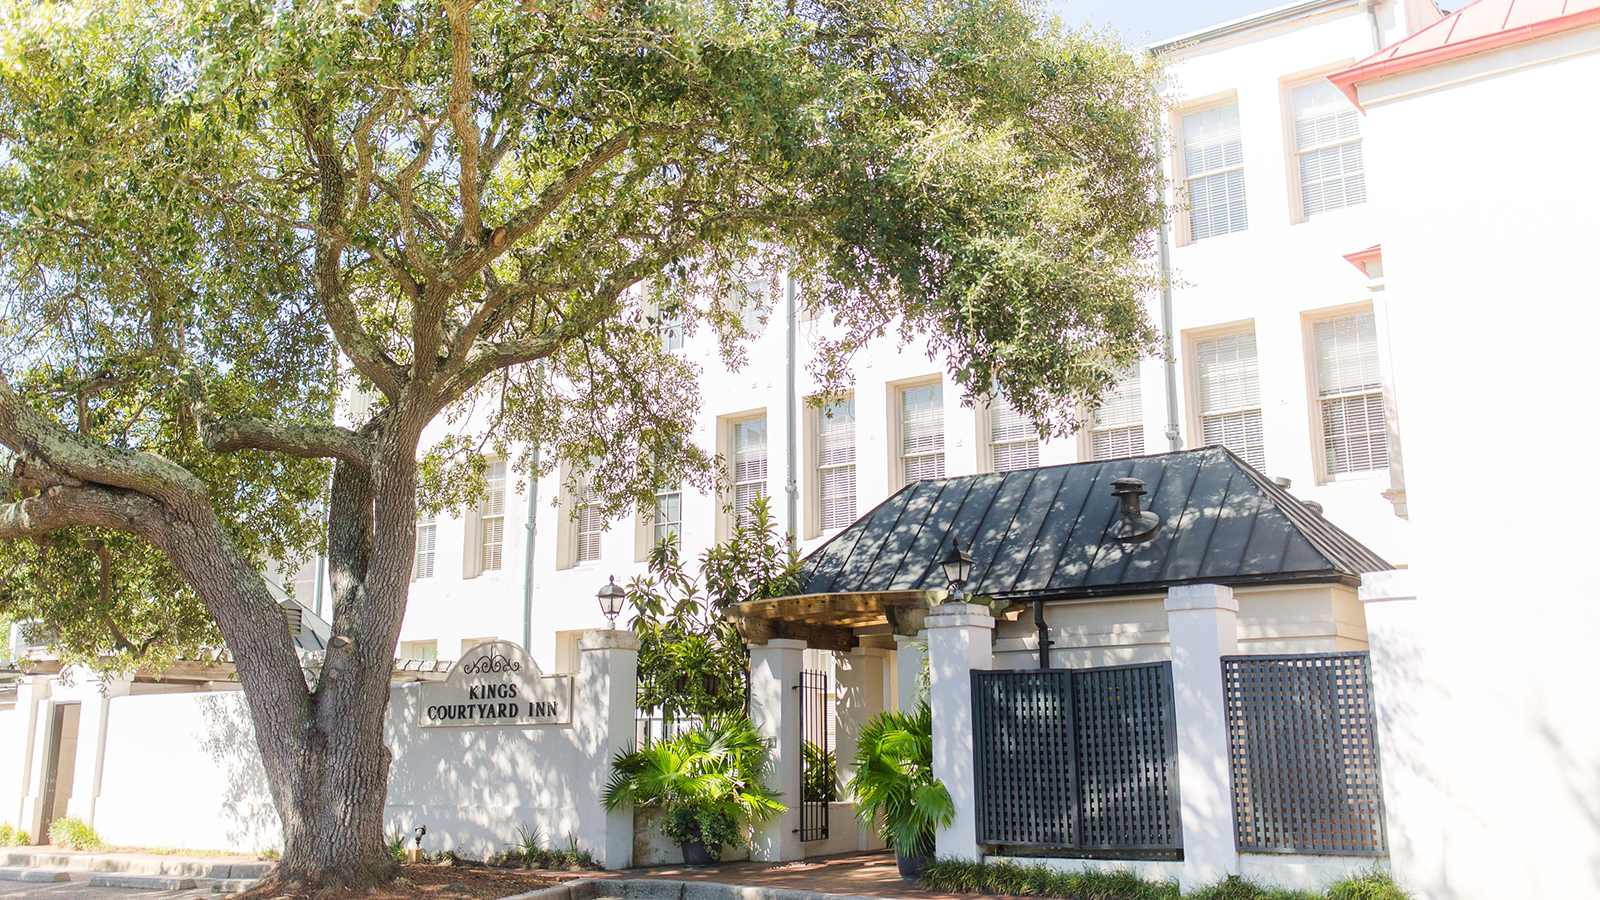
(31, 708)
(960, 639)
(859, 676)
(909, 652)
(605, 692)
(1202, 620)
(775, 712)
(1405, 695)
(93, 717)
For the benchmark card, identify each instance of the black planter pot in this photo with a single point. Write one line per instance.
(696, 856)
(910, 866)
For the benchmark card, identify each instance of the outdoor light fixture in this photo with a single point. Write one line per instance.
(957, 568)
(611, 596)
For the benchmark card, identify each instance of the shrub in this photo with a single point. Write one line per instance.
(1373, 884)
(821, 773)
(710, 781)
(74, 834)
(13, 837)
(397, 847)
(529, 850)
(1010, 879)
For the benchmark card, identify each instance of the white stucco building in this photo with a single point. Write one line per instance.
(1280, 338)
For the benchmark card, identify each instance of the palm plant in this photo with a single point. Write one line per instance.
(894, 784)
(710, 782)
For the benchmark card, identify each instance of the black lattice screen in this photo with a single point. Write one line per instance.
(1304, 745)
(1077, 759)
(814, 731)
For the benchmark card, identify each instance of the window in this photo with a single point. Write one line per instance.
(836, 463)
(922, 432)
(1013, 439)
(669, 324)
(668, 524)
(1117, 427)
(492, 519)
(1350, 390)
(419, 649)
(1327, 144)
(749, 466)
(1230, 395)
(753, 306)
(427, 541)
(1213, 169)
(591, 522)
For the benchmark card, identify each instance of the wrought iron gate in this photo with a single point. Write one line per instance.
(816, 755)
(1078, 759)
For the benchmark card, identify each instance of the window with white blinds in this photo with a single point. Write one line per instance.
(591, 523)
(1327, 143)
(1117, 428)
(749, 466)
(922, 432)
(836, 464)
(1350, 388)
(668, 524)
(427, 544)
(1229, 390)
(1213, 169)
(492, 519)
(1013, 439)
(669, 324)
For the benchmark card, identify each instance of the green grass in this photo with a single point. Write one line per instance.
(13, 837)
(75, 834)
(1013, 880)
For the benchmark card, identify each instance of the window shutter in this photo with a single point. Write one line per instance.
(1229, 391)
(470, 524)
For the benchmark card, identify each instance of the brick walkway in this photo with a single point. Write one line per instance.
(865, 874)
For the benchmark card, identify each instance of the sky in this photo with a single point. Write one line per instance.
(1144, 21)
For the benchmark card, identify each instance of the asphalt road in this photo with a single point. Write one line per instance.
(81, 890)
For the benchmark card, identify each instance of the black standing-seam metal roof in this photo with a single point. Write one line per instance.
(1047, 532)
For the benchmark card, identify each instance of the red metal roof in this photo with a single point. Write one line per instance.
(1474, 28)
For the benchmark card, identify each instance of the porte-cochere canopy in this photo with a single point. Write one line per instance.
(1052, 533)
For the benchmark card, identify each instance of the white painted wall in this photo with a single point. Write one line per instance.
(1485, 170)
(13, 746)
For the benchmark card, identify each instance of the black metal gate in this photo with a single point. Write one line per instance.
(1081, 760)
(816, 756)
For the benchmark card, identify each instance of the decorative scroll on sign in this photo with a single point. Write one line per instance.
(497, 683)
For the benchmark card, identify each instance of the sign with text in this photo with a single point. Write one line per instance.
(497, 683)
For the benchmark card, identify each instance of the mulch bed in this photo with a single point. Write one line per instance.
(430, 881)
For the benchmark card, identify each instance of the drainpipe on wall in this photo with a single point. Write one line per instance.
(1372, 22)
(533, 533)
(791, 338)
(1169, 358)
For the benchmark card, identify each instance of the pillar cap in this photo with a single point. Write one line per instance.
(900, 640)
(1195, 597)
(960, 614)
(607, 639)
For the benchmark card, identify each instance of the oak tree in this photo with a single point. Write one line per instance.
(220, 217)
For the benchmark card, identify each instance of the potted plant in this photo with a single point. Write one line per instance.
(709, 783)
(894, 785)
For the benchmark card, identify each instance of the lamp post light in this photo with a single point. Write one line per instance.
(957, 568)
(611, 596)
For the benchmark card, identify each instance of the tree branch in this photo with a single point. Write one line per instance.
(62, 506)
(463, 118)
(304, 441)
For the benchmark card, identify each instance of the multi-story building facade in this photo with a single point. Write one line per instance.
(1279, 350)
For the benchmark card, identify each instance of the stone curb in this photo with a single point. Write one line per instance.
(663, 889)
(133, 865)
(234, 885)
(145, 882)
(37, 876)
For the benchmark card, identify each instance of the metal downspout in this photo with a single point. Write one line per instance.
(1169, 357)
(791, 338)
(1372, 22)
(533, 534)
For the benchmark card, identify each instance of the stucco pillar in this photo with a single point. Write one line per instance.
(1202, 620)
(859, 677)
(93, 717)
(1404, 694)
(960, 639)
(31, 707)
(909, 652)
(605, 694)
(775, 712)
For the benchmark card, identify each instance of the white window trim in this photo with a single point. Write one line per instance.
(989, 444)
(1092, 426)
(433, 561)
(1180, 175)
(814, 466)
(1314, 397)
(726, 432)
